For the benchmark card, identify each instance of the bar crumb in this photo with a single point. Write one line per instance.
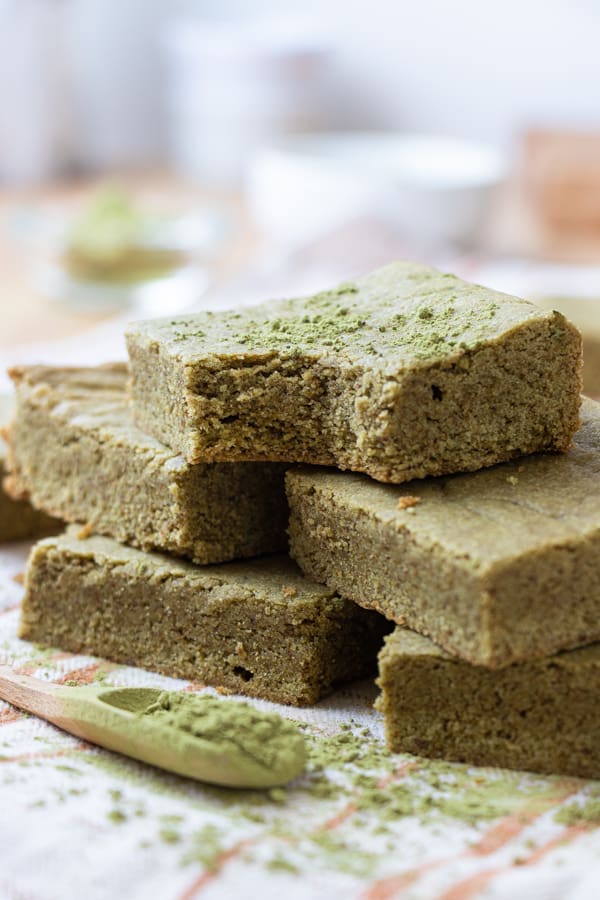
(407, 502)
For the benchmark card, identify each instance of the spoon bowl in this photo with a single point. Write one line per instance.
(133, 700)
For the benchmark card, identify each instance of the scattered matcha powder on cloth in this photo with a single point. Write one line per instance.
(580, 813)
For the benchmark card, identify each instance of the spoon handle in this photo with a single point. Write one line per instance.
(67, 707)
(31, 694)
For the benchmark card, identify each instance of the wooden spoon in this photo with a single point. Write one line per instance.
(105, 717)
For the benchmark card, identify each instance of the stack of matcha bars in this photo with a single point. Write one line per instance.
(485, 584)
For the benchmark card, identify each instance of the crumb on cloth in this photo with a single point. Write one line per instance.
(407, 502)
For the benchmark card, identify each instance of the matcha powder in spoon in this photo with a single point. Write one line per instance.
(243, 737)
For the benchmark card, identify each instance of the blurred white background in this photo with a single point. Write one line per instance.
(85, 83)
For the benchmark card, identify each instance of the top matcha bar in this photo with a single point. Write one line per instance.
(406, 372)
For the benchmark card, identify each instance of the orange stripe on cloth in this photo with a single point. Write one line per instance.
(84, 675)
(46, 754)
(10, 714)
(471, 886)
(511, 826)
(386, 888)
(209, 875)
(8, 609)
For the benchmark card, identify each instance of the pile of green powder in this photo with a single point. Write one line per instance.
(232, 726)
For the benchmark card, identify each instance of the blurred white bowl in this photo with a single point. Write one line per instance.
(433, 189)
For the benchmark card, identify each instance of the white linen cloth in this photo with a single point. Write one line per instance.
(77, 821)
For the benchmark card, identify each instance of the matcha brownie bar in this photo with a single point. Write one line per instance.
(18, 519)
(77, 454)
(495, 566)
(258, 627)
(541, 715)
(404, 373)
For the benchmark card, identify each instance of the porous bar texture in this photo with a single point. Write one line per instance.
(257, 628)
(18, 519)
(76, 453)
(495, 566)
(541, 715)
(404, 373)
